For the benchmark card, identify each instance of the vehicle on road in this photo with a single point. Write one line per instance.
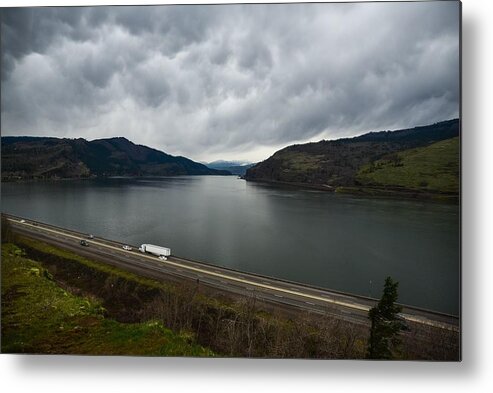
(127, 248)
(155, 250)
(84, 243)
(22, 221)
(90, 236)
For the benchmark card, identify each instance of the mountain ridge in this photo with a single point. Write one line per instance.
(29, 157)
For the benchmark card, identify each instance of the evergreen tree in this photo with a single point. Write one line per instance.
(385, 325)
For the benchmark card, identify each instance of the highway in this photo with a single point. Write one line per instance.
(273, 291)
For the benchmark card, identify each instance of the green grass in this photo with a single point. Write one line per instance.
(434, 168)
(40, 317)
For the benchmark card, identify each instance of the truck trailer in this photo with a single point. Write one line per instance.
(155, 250)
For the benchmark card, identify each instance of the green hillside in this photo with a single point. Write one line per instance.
(434, 168)
(337, 163)
(420, 162)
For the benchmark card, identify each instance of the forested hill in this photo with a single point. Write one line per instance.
(52, 158)
(338, 164)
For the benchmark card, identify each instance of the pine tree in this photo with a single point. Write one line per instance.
(385, 325)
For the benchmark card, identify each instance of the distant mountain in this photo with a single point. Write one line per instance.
(235, 167)
(337, 165)
(223, 163)
(52, 158)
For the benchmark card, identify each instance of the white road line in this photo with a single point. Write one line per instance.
(216, 273)
(311, 304)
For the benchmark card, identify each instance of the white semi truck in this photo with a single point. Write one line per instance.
(161, 252)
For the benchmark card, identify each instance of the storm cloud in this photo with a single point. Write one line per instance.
(228, 81)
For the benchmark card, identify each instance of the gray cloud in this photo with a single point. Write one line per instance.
(231, 81)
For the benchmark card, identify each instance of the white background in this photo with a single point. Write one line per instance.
(125, 374)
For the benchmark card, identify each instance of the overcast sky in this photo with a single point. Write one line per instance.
(228, 81)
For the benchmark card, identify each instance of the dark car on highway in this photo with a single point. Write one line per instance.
(84, 243)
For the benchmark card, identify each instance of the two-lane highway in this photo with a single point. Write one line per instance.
(288, 294)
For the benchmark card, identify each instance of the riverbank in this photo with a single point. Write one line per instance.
(196, 318)
(368, 191)
(398, 193)
(56, 179)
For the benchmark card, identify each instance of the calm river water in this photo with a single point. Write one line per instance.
(339, 242)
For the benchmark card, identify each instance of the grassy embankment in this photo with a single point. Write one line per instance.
(228, 326)
(38, 316)
(431, 171)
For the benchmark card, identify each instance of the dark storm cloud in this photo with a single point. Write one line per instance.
(228, 81)
(28, 30)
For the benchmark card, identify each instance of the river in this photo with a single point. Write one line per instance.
(334, 241)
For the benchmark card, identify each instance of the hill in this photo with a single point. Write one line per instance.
(53, 158)
(339, 164)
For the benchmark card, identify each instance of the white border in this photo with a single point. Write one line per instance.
(124, 374)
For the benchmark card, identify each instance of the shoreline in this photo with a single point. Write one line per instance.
(368, 191)
(96, 177)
